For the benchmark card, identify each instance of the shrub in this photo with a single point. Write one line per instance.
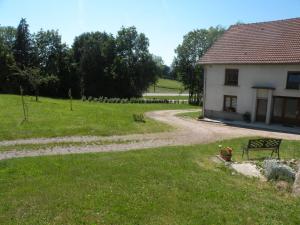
(138, 118)
(247, 117)
(100, 99)
(276, 171)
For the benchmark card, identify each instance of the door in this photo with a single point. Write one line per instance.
(261, 110)
(286, 110)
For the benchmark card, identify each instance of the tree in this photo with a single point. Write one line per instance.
(98, 64)
(134, 67)
(52, 58)
(193, 47)
(23, 45)
(159, 63)
(8, 36)
(36, 79)
(6, 64)
(94, 54)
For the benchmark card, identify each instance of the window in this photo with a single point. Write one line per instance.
(293, 80)
(231, 77)
(230, 103)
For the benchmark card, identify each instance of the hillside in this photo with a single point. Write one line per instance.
(167, 86)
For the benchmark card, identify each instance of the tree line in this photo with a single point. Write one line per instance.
(97, 64)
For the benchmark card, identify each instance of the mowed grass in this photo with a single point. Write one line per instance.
(174, 185)
(167, 86)
(191, 115)
(52, 117)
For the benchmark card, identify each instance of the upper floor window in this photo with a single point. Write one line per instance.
(231, 77)
(293, 80)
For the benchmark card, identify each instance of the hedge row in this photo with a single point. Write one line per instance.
(133, 100)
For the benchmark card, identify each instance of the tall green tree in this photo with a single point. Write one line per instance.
(134, 67)
(94, 55)
(52, 58)
(23, 45)
(6, 63)
(193, 47)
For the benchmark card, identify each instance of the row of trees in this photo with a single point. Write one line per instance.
(185, 65)
(97, 64)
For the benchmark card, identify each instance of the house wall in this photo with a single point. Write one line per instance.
(249, 76)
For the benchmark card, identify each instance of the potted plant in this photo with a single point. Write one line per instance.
(226, 153)
(247, 117)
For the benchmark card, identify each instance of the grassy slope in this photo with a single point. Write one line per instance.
(176, 185)
(167, 86)
(52, 117)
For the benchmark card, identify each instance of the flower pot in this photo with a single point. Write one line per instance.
(226, 157)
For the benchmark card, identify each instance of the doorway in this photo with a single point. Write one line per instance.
(286, 110)
(261, 109)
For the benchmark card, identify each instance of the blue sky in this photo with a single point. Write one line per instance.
(163, 21)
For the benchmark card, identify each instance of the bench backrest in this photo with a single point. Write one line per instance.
(264, 143)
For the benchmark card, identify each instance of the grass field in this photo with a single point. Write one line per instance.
(167, 86)
(52, 117)
(175, 185)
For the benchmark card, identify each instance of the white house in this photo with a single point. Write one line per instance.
(254, 69)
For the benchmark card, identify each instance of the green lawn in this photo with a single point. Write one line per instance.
(52, 117)
(167, 86)
(192, 115)
(174, 185)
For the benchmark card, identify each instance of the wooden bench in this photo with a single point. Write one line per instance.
(262, 144)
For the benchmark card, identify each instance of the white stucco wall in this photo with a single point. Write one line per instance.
(249, 76)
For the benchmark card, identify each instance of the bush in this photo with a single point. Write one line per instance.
(138, 118)
(247, 117)
(102, 99)
(274, 170)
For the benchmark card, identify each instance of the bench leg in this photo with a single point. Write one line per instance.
(243, 153)
(272, 153)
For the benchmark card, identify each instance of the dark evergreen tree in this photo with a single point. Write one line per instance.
(22, 48)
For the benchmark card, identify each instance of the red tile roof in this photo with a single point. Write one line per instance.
(275, 42)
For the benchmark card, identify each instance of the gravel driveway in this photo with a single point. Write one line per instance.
(187, 132)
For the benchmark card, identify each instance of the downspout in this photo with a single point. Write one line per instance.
(204, 90)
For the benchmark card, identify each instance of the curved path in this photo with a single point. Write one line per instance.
(187, 132)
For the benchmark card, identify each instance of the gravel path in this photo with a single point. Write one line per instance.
(188, 132)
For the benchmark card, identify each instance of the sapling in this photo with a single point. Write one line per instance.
(70, 96)
(25, 109)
